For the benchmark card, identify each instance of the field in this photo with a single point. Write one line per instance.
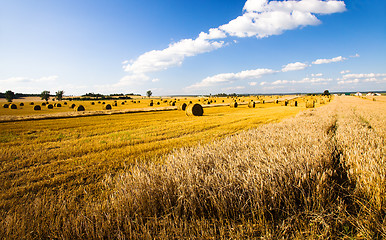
(267, 172)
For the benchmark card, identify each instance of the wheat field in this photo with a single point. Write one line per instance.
(235, 173)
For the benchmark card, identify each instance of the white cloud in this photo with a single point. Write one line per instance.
(260, 19)
(344, 71)
(324, 61)
(348, 81)
(316, 74)
(224, 78)
(355, 56)
(174, 55)
(304, 80)
(252, 83)
(155, 80)
(294, 67)
(364, 75)
(263, 83)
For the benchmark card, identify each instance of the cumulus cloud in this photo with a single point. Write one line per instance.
(173, 55)
(225, 78)
(344, 71)
(324, 61)
(261, 18)
(348, 81)
(294, 67)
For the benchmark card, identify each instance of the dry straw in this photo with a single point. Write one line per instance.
(234, 104)
(182, 106)
(310, 104)
(107, 107)
(80, 108)
(194, 110)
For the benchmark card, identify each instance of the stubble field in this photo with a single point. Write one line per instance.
(232, 173)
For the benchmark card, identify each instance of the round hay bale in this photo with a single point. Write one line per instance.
(223, 100)
(322, 102)
(99, 102)
(284, 103)
(6, 105)
(123, 103)
(194, 110)
(134, 101)
(139, 101)
(79, 108)
(158, 103)
(251, 104)
(172, 103)
(31, 103)
(13, 106)
(72, 105)
(92, 103)
(58, 105)
(103, 103)
(262, 101)
(277, 101)
(374, 99)
(115, 104)
(107, 107)
(21, 104)
(233, 104)
(310, 104)
(190, 102)
(43, 104)
(50, 106)
(182, 106)
(37, 107)
(65, 103)
(151, 104)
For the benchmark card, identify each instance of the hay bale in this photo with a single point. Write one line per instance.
(277, 101)
(374, 99)
(107, 107)
(37, 107)
(13, 106)
(284, 103)
(172, 103)
(72, 105)
(233, 104)
(21, 104)
(182, 106)
(194, 110)
(262, 101)
(99, 102)
(92, 103)
(103, 103)
(294, 103)
(79, 108)
(251, 104)
(322, 102)
(65, 103)
(50, 106)
(31, 103)
(58, 105)
(44, 104)
(158, 103)
(6, 105)
(310, 104)
(223, 100)
(139, 101)
(115, 104)
(122, 103)
(151, 104)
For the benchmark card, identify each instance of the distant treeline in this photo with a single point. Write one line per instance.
(20, 95)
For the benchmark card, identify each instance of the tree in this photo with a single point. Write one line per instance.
(149, 93)
(45, 95)
(59, 95)
(9, 95)
(326, 93)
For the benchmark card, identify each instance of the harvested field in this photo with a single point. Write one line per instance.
(275, 180)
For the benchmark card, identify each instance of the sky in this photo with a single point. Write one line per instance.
(186, 47)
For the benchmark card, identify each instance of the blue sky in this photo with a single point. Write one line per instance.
(192, 47)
